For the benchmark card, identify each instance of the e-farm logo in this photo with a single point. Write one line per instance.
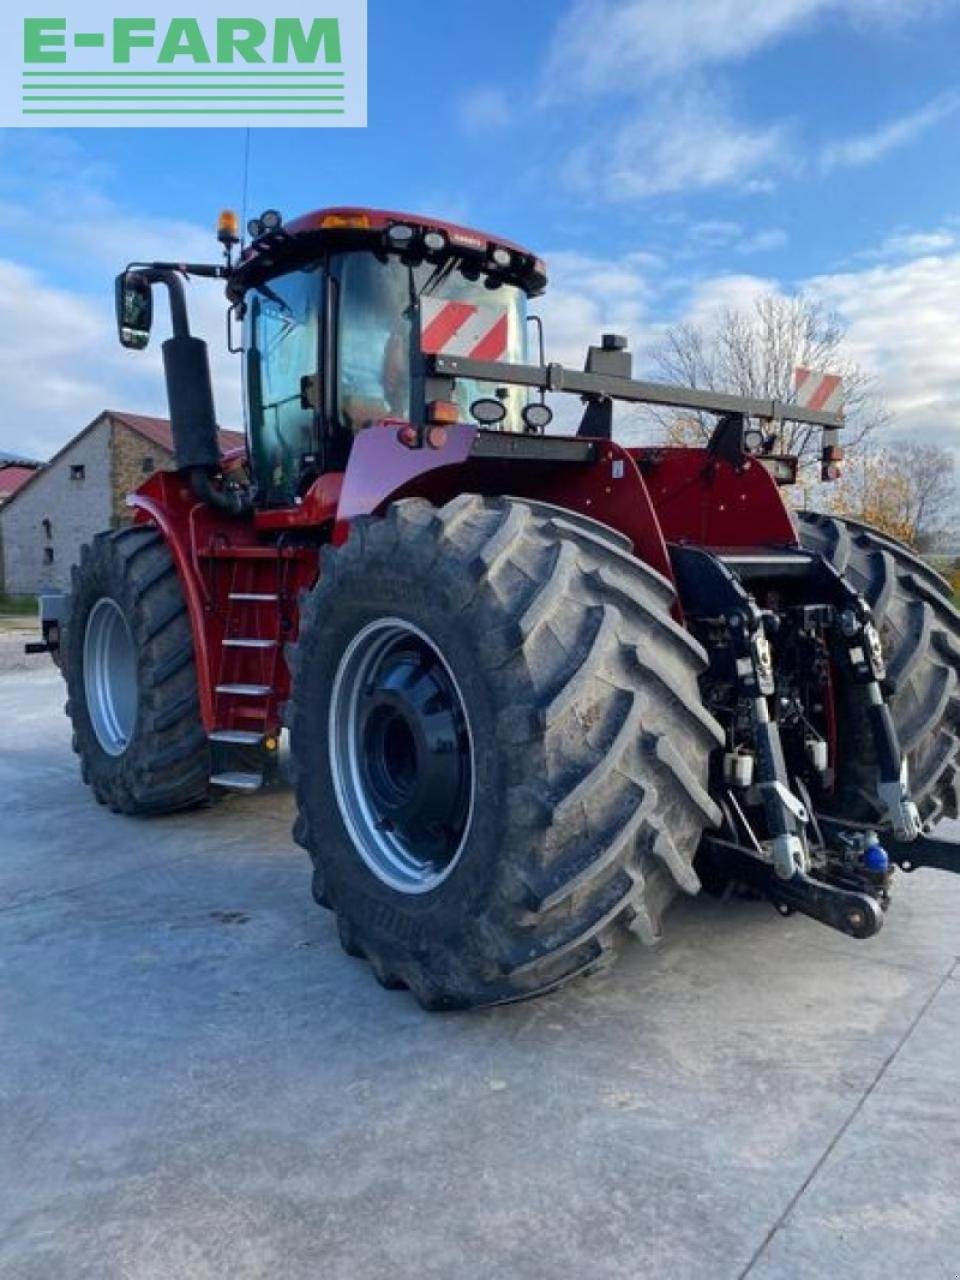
(157, 67)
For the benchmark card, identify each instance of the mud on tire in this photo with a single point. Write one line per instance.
(920, 631)
(590, 745)
(165, 765)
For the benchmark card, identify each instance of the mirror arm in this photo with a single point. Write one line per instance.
(157, 274)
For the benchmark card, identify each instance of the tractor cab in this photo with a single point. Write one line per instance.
(337, 312)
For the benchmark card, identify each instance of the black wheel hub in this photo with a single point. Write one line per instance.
(412, 757)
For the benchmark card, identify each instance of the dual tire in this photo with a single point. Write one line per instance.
(500, 747)
(920, 632)
(131, 677)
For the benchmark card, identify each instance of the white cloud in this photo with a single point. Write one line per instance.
(865, 148)
(677, 131)
(914, 243)
(681, 142)
(590, 295)
(484, 110)
(910, 244)
(902, 327)
(763, 241)
(715, 231)
(711, 297)
(61, 364)
(900, 321)
(601, 44)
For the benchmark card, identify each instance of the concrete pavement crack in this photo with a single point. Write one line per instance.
(844, 1128)
(40, 898)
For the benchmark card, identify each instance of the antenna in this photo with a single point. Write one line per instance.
(246, 184)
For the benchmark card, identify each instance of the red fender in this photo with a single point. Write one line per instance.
(381, 469)
(702, 499)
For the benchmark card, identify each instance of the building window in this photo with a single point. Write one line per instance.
(47, 528)
(148, 466)
(78, 471)
(48, 555)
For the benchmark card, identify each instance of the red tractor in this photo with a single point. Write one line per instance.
(535, 683)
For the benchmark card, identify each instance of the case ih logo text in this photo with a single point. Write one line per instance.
(95, 68)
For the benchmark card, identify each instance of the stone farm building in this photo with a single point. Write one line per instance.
(79, 493)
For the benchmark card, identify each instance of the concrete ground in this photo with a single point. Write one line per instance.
(196, 1082)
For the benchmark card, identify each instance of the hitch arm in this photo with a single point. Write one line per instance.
(925, 851)
(855, 914)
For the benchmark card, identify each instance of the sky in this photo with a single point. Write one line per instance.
(665, 159)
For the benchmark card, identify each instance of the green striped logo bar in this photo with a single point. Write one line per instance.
(99, 68)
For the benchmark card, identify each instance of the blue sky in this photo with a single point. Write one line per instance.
(666, 158)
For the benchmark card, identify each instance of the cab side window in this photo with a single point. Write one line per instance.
(282, 364)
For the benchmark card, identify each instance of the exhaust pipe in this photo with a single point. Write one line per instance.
(193, 421)
(186, 367)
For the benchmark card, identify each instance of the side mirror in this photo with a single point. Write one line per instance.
(134, 310)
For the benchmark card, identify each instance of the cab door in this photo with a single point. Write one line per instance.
(282, 382)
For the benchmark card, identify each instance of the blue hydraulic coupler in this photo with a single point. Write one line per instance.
(876, 859)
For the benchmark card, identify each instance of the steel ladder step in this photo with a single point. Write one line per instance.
(263, 597)
(239, 737)
(246, 690)
(237, 781)
(240, 642)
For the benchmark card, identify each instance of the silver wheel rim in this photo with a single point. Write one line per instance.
(372, 667)
(110, 676)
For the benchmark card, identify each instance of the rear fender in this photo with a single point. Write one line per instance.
(607, 486)
(705, 500)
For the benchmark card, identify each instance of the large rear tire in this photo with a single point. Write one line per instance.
(555, 788)
(131, 677)
(920, 631)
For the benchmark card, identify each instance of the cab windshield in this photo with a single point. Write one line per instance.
(377, 309)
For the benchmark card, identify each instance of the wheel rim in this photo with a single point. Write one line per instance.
(110, 676)
(401, 755)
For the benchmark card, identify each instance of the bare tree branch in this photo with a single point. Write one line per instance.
(753, 352)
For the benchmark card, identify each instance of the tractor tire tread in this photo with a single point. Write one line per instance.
(166, 766)
(920, 631)
(608, 797)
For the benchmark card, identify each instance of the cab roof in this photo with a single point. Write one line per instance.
(381, 219)
(358, 227)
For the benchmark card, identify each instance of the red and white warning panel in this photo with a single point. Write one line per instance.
(463, 329)
(817, 390)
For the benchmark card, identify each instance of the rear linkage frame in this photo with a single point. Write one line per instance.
(835, 871)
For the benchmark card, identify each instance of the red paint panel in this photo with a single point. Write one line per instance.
(703, 500)
(610, 489)
(318, 507)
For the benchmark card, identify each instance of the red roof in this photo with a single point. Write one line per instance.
(13, 478)
(158, 430)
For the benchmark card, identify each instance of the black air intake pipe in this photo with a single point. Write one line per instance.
(193, 420)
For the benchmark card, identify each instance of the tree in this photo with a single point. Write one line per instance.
(905, 489)
(753, 351)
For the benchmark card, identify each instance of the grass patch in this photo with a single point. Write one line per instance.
(18, 606)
